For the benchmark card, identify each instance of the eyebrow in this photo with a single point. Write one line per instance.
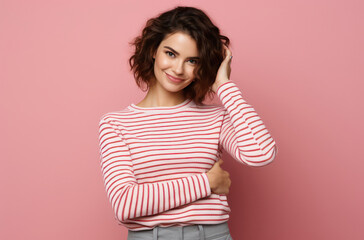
(177, 53)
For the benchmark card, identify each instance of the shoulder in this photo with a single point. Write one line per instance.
(116, 116)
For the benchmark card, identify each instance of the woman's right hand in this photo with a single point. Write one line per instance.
(219, 179)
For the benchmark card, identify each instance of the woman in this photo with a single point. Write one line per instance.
(160, 158)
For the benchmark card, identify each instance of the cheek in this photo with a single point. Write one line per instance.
(190, 71)
(162, 63)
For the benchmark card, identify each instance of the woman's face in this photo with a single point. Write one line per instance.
(175, 60)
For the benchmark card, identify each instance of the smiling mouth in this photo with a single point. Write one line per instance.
(174, 79)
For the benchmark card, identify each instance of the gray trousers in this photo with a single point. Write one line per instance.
(192, 232)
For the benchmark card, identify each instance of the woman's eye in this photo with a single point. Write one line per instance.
(192, 61)
(171, 54)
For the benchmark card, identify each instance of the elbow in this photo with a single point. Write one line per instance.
(263, 159)
(121, 215)
(119, 212)
(120, 218)
(121, 206)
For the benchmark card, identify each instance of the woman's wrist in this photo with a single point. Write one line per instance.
(220, 83)
(211, 180)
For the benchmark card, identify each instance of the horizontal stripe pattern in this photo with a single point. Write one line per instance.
(154, 160)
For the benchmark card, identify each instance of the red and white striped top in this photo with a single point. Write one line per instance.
(154, 160)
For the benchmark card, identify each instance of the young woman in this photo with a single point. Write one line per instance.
(160, 158)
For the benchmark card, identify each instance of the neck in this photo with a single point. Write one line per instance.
(158, 98)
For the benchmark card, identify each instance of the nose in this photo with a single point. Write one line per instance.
(178, 67)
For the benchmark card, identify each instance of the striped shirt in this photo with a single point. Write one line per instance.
(154, 160)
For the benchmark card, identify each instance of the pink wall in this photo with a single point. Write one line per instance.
(299, 63)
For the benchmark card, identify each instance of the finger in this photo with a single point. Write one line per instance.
(228, 52)
(228, 58)
(224, 50)
(220, 161)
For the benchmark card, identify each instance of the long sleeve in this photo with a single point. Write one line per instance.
(131, 200)
(243, 133)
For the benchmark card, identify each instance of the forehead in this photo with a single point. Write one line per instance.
(181, 42)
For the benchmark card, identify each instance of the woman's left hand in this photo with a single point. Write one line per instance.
(223, 74)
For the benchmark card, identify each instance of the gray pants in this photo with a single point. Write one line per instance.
(192, 232)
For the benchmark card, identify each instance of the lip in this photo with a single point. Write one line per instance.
(174, 79)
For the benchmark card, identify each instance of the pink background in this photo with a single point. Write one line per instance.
(299, 63)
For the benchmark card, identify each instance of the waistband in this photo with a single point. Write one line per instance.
(204, 231)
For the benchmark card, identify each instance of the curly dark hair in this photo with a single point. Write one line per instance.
(198, 25)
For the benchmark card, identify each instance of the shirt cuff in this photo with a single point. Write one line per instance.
(207, 184)
(223, 86)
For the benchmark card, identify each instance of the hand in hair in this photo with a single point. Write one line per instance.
(223, 74)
